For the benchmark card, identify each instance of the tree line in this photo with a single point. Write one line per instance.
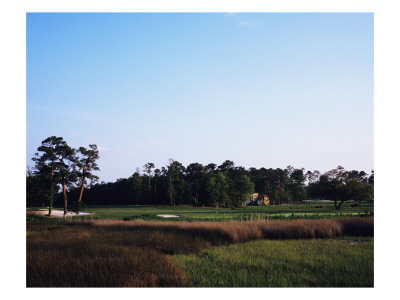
(225, 185)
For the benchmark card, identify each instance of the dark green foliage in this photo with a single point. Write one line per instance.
(225, 185)
(201, 186)
(240, 189)
(194, 174)
(37, 190)
(145, 217)
(340, 185)
(176, 186)
(79, 206)
(147, 168)
(217, 188)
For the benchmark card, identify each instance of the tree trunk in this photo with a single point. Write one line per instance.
(155, 193)
(51, 198)
(80, 195)
(65, 199)
(51, 190)
(197, 192)
(276, 194)
(338, 206)
(149, 189)
(335, 198)
(170, 191)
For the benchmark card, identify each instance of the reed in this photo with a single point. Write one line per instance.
(283, 263)
(112, 253)
(94, 257)
(254, 230)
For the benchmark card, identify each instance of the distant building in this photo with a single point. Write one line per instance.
(257, 199)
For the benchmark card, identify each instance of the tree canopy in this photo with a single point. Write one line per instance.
(226, 185)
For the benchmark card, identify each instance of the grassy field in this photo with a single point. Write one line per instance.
(306, 210)
(290, 263)
(115, 253)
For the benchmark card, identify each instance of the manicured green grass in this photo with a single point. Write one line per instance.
(130, 210)
(242, 213)
(289, 263)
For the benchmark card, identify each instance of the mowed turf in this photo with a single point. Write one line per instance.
(133, 210)
(209, 213)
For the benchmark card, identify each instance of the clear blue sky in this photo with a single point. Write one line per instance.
(262, 90)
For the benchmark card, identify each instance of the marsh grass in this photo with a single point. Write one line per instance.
(116, 253)
(253, 230)
(276, 263)
(76, 256)
(239, 217)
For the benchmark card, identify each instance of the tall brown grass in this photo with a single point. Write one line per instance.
(93, 257)
(253, 230)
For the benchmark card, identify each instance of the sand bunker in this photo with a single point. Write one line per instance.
(168, 216)
(59, 213)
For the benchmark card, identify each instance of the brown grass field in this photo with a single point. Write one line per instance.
(235, 232)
